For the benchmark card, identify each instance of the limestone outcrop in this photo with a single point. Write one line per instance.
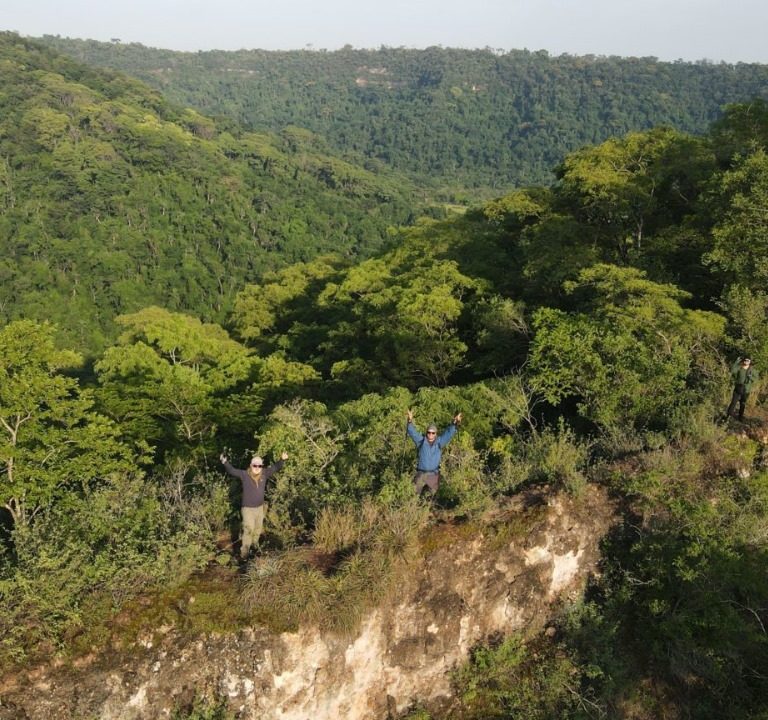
(464, 590)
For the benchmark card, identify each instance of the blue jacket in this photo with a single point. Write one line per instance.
(429, 454)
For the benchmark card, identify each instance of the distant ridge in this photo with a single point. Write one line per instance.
(478, 118)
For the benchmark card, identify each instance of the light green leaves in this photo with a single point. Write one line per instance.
(50, 436)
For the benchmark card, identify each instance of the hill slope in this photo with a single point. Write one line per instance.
(112, 199)
(468, 117)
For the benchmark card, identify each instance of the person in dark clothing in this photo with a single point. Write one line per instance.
(429, 452)
(744, 376)
(254, 481)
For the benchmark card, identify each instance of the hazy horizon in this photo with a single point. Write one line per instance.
(691, 30)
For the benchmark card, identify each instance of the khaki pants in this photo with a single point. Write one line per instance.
(428, 480)
(253, 523)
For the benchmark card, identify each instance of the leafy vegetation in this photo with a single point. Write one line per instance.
(468, 118)
(584, 330)
(112, 199)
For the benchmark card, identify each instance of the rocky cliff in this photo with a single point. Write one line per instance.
(535, 552)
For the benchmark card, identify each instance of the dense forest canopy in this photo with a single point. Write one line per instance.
(236, 293)
(113, 198)
(470, 118)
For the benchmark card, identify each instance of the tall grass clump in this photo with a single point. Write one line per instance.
(360, 554)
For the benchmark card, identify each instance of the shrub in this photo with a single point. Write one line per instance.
(203, 709)
(464, 485)
(111, 542)
(512, 678)
(558, 457)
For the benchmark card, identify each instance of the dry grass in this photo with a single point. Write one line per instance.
(361, 553)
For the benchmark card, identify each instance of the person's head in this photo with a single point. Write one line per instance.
(256, 464)
(746, 362)
(431, 433)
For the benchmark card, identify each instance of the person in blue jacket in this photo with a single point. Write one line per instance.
(429, 452)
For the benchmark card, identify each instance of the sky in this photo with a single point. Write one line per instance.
(715, 30)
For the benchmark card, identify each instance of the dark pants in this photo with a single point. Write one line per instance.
(740, 397)
(428, 480)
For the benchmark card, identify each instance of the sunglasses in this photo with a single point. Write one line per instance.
(431, 432)
(255, 465)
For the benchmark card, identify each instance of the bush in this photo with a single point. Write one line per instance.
(203, 709)
(108, 543)
(464, 485)
(558, 457)
(514, 679)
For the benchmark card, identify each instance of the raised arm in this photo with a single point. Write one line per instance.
(450, 431)
(233, 471)
(411, 430)
(268, 472)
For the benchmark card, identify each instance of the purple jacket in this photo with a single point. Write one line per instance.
(253, 493)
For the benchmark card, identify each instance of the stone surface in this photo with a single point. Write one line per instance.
(464, 591)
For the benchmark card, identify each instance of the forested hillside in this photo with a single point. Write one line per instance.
(111, 198)
(585, 330)
(479, 118)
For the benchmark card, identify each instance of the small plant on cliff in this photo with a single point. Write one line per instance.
(557, 456)
(202, 709)
(535, 680)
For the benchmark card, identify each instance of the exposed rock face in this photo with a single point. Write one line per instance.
(465, 591)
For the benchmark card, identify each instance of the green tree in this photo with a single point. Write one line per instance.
(164, 379)
(740, 235)
(51, 439)
(630, 355)
(623, 189)
(741, 130)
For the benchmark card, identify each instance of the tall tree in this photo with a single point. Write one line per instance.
(164, 378)
(51, 439)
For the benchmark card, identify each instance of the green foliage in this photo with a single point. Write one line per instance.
(257, 307)
(559, 457)
(700, 611)
(203, 709)
(313, 441)
(126, 536)
(741, 130)
(113, 200)
(378, 453)
(501, 334)
(624, 188)
(513, 679)
(51, 439)
(595, 295)
(747, 311)
(340, 320)
(628, 354)
(740, 246)
(479, 118)
(162, 381)
(427, 297)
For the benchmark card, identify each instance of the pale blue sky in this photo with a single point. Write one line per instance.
(730, 30)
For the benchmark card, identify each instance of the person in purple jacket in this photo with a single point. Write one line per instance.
(254, 481)
(429, 452)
